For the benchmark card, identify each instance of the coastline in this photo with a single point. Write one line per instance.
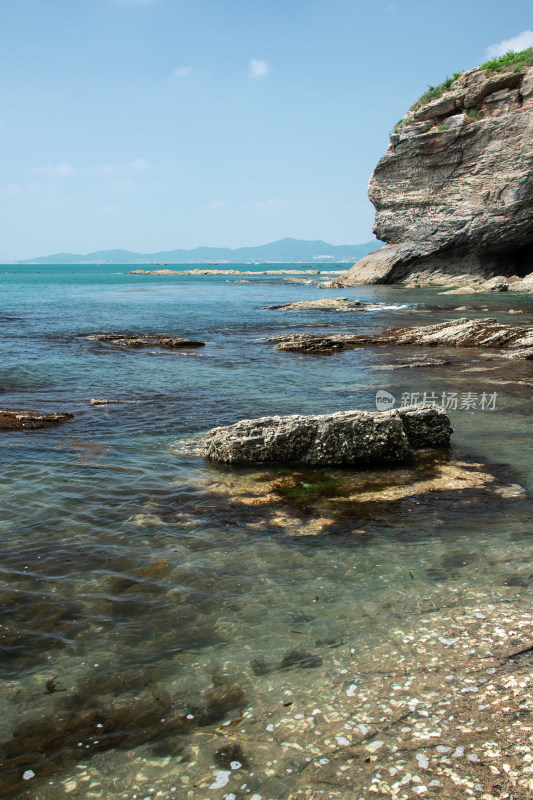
(166, 574)
(200, 271)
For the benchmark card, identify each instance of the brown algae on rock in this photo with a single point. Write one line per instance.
(15, 420)
(137, 341)
(46, 744)
(302, 503)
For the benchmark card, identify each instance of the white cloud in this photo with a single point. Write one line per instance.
(55, 170)
(123, 184)
(108, 211)
(258, 68)
(11, 190)
(182, 72)
(137, 165)
(118, 169)
(269, 203)
(517, 43)
(216, 205)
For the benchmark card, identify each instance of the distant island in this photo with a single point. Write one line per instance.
(284, 251)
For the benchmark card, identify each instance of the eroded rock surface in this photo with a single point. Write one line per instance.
(344, 438)
(453, 194)
(463, 332)
(12, 420)
(458, 333)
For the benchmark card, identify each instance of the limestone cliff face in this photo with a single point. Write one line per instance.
(454, 192)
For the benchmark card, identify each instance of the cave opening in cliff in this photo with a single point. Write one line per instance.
(511, 260)
(524, 260)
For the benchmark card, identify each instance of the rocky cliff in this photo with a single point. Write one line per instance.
(454, 192)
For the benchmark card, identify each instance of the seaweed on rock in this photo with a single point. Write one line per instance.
(47, 743)
(33, 622)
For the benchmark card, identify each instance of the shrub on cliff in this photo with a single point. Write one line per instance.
(434, 92)
(510, 62)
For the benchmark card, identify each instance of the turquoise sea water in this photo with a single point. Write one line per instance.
(133, 574)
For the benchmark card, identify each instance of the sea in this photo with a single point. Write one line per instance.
(165, 622)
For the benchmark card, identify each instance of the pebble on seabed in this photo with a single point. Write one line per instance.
(406, 728)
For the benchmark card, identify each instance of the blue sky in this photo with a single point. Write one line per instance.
(158, 124)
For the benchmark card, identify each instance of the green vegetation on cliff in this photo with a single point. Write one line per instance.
(434, 92)
(510, 62)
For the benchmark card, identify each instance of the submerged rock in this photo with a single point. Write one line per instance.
(297, 659)
(12, 420)
(230, 753)
(88, 725)
(312, 502)
(293, 659)
(145, 340)
(416, 364)
(260, 667)
(345, 438)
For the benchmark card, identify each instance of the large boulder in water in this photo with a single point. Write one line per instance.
(345, 438)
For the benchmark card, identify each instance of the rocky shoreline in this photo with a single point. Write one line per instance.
(479, 333)
(436, 703)
(440, 709)
(516, 341)
(157, 619)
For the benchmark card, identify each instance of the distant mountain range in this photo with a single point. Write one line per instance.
(282, 252)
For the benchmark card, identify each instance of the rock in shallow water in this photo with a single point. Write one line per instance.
(306, 343)
(461, 332)
(145, 340)
(324, 304)
(345, 438)
(11, 420)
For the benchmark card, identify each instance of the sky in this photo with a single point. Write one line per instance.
(159, 124)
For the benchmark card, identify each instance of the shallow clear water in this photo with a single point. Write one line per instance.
(132, 570)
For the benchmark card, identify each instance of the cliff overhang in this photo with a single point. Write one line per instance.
(454, 192)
